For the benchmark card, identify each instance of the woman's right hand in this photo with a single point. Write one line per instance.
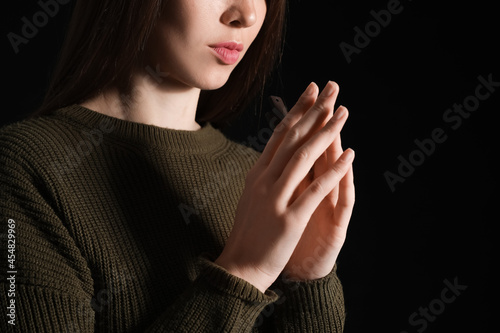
(271, 217)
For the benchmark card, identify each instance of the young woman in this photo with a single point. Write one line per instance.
(127, 210)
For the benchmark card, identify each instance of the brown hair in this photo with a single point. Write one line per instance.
(105, 41)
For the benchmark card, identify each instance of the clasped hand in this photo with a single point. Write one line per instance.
(294, 212)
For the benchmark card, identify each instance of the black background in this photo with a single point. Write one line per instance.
(436, 225)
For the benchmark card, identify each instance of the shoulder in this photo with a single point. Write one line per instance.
(22, 137)
(34, 144)
(29, 136)
(52, 133)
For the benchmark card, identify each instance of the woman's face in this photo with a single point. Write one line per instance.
(200, 42)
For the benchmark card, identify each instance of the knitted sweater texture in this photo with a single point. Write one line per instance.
(113, 226)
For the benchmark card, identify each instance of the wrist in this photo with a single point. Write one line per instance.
(241, 273)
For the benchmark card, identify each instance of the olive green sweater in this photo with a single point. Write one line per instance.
(113, 226)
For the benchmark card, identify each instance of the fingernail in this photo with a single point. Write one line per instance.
(310, 89)
(341, 111)
(329, 89)
(348, 155)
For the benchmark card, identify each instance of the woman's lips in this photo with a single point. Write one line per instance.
(228, 52)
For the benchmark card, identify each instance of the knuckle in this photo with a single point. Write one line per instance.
(317, 188)
(287, 123)
(339, 171)
(347, 204)
(331, 127)
(292, 218)
(293, 133)
(321, 107)
(284, 125)
(301, 154)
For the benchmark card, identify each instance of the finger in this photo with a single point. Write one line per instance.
(333, 153)
(305, 157)
(326, 160)
(305, 102)
(323, 162)
(307, 126)
(345, 203)
(335, 149)
(346, 190)
(305, 205)
(320, 166)
(332, 157)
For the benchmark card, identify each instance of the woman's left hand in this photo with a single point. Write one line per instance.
(320, 244)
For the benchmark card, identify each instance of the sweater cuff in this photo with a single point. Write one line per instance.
(219, 279)
(216, 301)
(315, 304)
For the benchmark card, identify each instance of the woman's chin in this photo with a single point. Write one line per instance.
(213, 85)
(206, 80)
(213, 80)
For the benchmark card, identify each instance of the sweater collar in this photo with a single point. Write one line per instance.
(205, 140)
